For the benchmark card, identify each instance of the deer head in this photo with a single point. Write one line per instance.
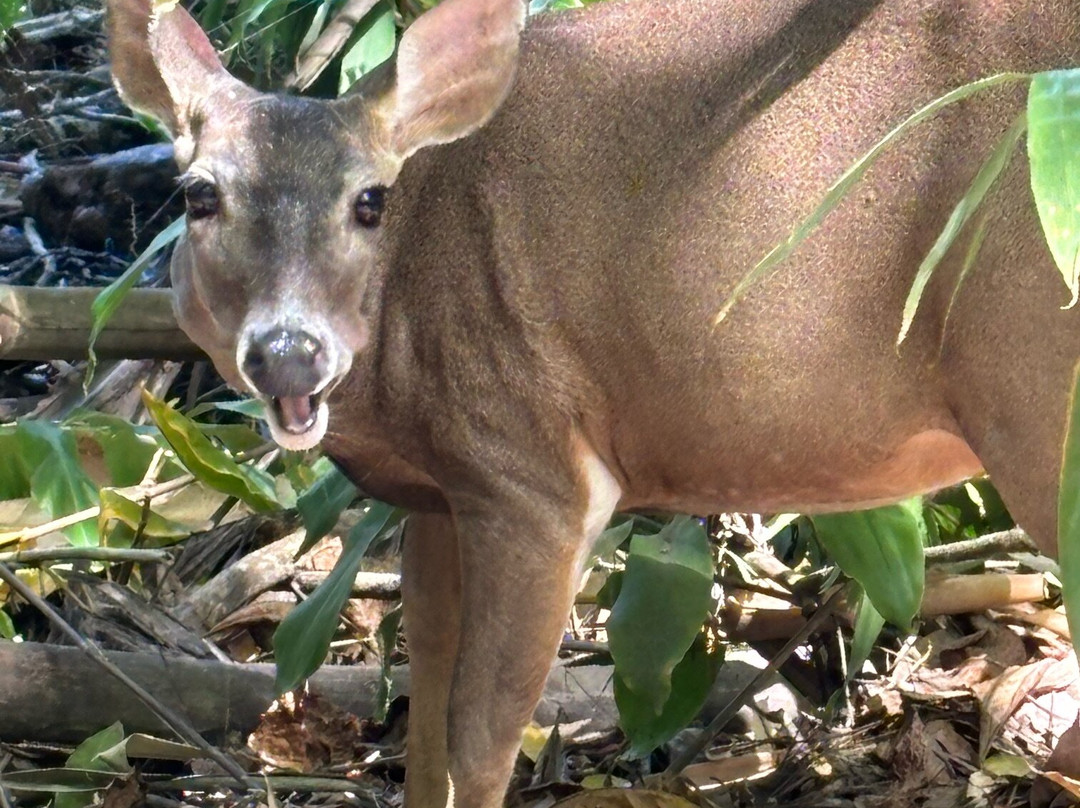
(285, 196)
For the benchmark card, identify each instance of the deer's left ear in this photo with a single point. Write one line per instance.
(455, 65)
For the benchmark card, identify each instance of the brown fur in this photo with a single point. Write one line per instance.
(543, 290)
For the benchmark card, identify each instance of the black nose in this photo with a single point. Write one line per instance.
(282, 362)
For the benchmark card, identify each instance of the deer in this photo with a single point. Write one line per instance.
(485, 281)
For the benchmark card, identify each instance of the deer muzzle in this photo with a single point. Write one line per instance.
(292, 371)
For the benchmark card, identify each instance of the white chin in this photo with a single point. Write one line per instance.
(308, 439)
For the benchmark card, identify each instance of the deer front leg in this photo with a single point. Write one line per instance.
(431, 599)
(521, 556)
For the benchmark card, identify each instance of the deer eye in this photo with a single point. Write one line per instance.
(202, 199)
(369, 205)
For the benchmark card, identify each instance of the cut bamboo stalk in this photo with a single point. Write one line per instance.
(51, 323)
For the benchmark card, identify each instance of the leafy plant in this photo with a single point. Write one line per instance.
(11, 11)
(303, 638)
(882, 549)
(663, 665)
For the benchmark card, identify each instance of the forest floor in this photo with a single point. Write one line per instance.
(966, 712)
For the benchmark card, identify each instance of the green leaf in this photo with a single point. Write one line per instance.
(836, 193)
(609, 541)
(58, 483)
(1054, 153)
(959, 217)
(7, 627)
(115, 506)
(14, 476)
(386, 637)
(110, 298)
(663, 601)
(249, 407)
(207, 462)
(127, 449)
(608, 594)
(376, 38)
(1069, 513)
(11, 11)
(92, 753)
(234, 437)
(868, 626)
(691, 681)
(882, 549)
(322, 504)
(101, 752)
(303, 638)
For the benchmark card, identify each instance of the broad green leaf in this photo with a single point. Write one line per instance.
(690, 683)
(115, 506)
(7, 627)
(110, 298)
(322, 504)
(127, 449)
(1069, 514)
(375, 40)
(207, 462)
(663, 602)
(58, 483)
(93, 752)
(1054, 152)
(303, 638)
(882, 549)
(14, 476)
(836, 193)
(386, 637)
(959, 217)
(100, 753)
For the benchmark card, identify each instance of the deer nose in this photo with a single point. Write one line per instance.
(282, 362)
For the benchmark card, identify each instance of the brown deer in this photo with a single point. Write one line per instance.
(486, 279)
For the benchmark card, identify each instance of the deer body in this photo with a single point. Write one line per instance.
(524, 343)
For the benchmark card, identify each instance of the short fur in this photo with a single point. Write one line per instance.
(541, 292)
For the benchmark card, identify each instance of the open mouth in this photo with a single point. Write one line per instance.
(297, 422)
(295, 414)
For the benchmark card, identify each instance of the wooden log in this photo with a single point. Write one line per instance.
(50, 323)
(57, 693)
(54, 693)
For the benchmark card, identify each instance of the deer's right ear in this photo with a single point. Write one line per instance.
(455, 65)
(162, 62)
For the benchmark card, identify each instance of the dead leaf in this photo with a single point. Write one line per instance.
(126, 793)
(1000, 697)
(306, 733)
